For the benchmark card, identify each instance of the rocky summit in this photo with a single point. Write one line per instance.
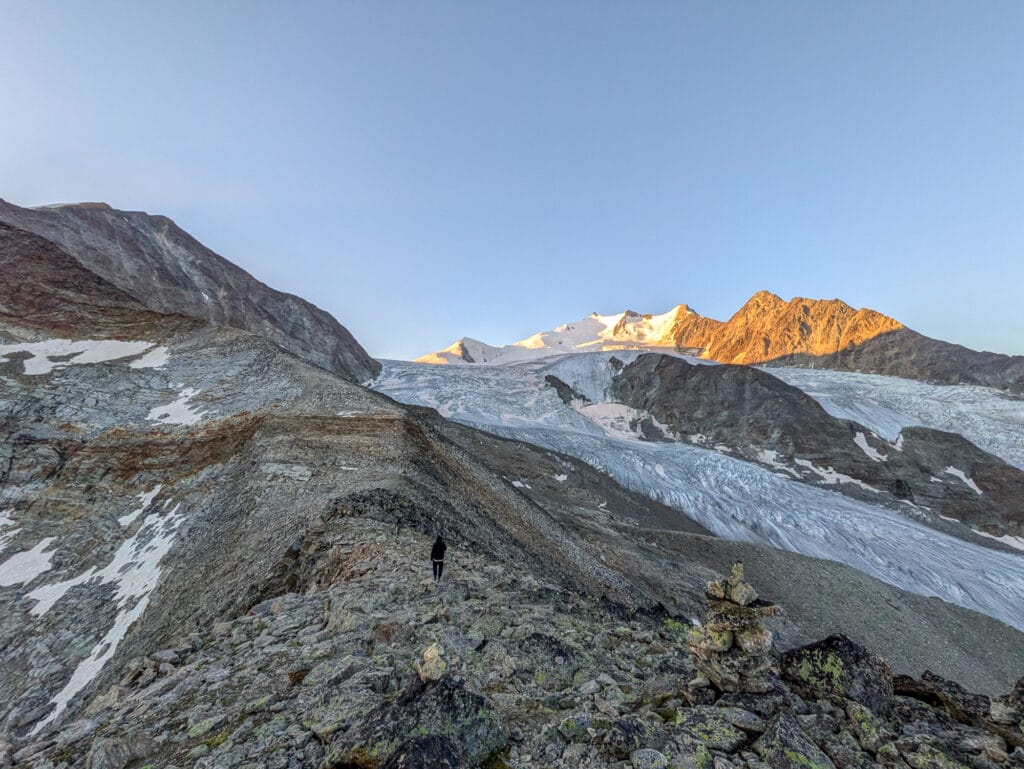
(807, 333)
(215, 552)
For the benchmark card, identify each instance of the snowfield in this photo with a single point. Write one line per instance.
(740, 500)
(887, 404)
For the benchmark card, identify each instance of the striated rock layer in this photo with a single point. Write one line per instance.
(165, 269)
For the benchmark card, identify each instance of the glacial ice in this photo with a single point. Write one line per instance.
(741, 500)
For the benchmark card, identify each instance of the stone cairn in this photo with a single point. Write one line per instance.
(732, 649)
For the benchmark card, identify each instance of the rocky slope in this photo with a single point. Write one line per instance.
(368, 664)
(766, 329)
(167, 270)
(756, 416)
(160, 475)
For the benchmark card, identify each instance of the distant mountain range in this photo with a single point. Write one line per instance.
(810, 333)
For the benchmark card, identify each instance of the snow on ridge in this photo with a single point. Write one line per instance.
(861, 440)
(969, 482)
(887, 404)
(5, 522)
(144, 497)
(155, 358)
(831, 477)
(1006, 539)
(76, 352)
(179, 411)
(22, 568)
(135, 571)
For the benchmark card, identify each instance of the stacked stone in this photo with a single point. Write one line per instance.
(732, 649)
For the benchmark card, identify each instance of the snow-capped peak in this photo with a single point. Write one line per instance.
(626, 330)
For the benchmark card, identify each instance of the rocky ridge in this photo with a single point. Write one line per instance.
(168, 271)
(532, 675)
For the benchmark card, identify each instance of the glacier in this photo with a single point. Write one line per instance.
(740, 500)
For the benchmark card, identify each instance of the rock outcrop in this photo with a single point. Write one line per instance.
(762, 419)
(165, 269)
(326, 679)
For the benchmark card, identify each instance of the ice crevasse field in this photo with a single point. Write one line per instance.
(744, 501)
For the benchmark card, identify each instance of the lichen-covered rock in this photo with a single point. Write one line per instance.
(867, 726)
(630, 733)
(710, 726)
(118, 752)
(918, 753)
(648, 758)
(785, 746)
(445, 707)
(430, 752)
(838, 666)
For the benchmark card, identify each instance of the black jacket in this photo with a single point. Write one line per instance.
(437, 551)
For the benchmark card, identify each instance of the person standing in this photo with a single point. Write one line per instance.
(437, 557)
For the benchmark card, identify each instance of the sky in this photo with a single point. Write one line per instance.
(431, 170)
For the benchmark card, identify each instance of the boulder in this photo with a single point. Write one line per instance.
(1009, 708)
(430, 752)
(444, 707)
(118, 752)
(785, 746)
(432, 667)
(959, 703)
(837, 666)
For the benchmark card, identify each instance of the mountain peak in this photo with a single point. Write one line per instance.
(766, 327)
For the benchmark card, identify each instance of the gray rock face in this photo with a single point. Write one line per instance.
(765, 420)
(165, 269)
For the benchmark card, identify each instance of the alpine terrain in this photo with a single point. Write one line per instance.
(216, 514)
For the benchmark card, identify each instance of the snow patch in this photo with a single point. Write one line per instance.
(861, 440)
(616, 419)
(155, 358)
(144, 498)
(1007, 539)
(179, 411)
(75, 352)
(134, 571)
(23, 567)
(561, 478)
(520, 485)
(960, 474)
(831, 477)
(6, 522)
(770, 457)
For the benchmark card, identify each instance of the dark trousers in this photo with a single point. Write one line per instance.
(438, 568)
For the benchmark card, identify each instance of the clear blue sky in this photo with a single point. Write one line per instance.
(428, 170)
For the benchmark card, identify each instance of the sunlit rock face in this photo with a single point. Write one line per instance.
(815, 333)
